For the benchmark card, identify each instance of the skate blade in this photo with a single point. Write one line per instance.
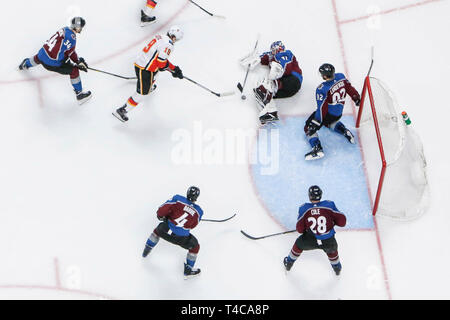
(145, 24)
(187, 277)
(117, 116)
(80, 102)
(318, 156)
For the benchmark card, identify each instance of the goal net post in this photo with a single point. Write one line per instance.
(393, 155)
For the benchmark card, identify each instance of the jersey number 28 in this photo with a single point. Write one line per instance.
(318, 225)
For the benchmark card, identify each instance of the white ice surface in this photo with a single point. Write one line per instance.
(79, 190)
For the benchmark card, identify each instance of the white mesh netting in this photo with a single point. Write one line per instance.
(404, 194)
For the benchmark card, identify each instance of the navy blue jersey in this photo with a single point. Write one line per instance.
(320, 218)
(330, 96)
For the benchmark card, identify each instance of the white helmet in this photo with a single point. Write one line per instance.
(176, 32)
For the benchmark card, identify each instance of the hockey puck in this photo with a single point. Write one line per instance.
(243, 97)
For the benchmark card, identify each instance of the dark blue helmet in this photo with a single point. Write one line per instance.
(327, 71)
(77, 23)
(315, 193)
(192, 193)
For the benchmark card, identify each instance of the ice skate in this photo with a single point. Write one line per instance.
(337, 268)
(316, 153)
(349, 136)
(82, 97)
(23, 65)
(269, 117)
(147, 250)
(146, 20)
(288, 263)
(190, 272)
(121, 114)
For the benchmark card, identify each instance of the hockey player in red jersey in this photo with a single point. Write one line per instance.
(178, 217)
(316, 222)
(153, 58)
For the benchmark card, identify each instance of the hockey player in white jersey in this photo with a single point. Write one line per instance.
(153, 58)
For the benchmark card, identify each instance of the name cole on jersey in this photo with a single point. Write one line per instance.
(182, 215)
(320, 218)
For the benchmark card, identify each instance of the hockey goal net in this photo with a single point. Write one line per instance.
(393, 155)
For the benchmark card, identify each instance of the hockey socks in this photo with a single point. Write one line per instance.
(335, 262)
(292, 257)
(152, 241)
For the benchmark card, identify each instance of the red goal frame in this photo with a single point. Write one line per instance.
(367, 90)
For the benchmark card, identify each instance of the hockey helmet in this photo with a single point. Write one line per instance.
(193, 193)
(326, 70)
(77, 23)
(315, 193)
(276, 47)
(175, 32)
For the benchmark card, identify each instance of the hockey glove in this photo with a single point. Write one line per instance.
(82, 65)
(357, 101)
(162, 219)
(177, 73)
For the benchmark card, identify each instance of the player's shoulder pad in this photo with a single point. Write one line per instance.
(70, 34)
(267, 53)
(329, 204)
(339, 76)
(320, 87)
(178, 197)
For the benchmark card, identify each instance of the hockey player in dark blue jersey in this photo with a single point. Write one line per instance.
(315, 223)
(58, 55)
(330, 97)
(178, 217)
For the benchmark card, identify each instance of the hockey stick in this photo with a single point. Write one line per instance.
(215, 93)
(112, 74)
(239, 85)
(211, 14)
(266, 236)
(223, 220)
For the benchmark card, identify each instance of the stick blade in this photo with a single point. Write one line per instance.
(224, 94)
(239, 86)
(249, 236)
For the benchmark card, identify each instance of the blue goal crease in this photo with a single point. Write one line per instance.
(282, 182)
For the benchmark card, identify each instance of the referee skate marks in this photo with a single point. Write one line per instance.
(340, 174)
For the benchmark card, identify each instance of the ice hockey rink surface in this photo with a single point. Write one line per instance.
(79, 189)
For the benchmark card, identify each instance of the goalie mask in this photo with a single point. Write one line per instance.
(276, 47)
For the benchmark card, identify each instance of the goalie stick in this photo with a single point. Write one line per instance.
(239, 85)
(211, 14)
(266, 236)
(223, 220)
